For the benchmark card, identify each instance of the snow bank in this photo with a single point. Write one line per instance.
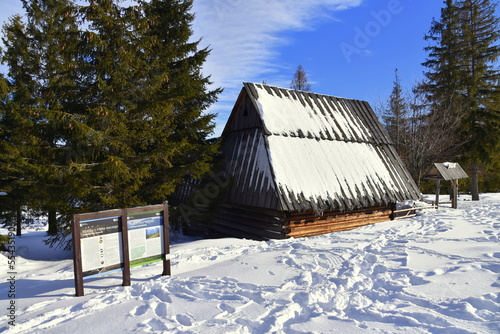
(434, 273)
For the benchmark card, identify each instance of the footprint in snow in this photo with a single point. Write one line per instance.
(156, 325)
(227, 308)
(162, 295)
(140, 310)
(109, 300)
(492, 267)
(161, 310)
(496, 255)
(248, 286)
(442, 271)
(438, 271)
(184, 320)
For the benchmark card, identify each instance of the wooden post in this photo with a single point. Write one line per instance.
(77, 256)
(394, 213)
(438, 186)
(454, 190)
(125, 249)
(166, 242)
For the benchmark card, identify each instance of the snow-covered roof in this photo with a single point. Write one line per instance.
(446, 171)
(315, 151)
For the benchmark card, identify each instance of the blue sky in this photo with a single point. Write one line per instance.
(349, 48)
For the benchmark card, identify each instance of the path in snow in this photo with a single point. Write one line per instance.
(435, 273)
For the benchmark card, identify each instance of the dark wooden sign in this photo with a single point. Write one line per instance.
(118, 240)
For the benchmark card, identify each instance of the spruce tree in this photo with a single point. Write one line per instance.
(176, 107)
(443, 77)
(17, 137)
(116, 108)
(39, 57)
(11, 163)
(480, 80)
(111, 65)
(463, 74)
(396, 117)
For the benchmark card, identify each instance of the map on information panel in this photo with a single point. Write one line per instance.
(145, 235)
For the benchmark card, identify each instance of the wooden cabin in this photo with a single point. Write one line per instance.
(302, 164)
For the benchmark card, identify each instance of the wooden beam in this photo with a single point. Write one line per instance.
(166, 242)
(322, 225)
(454, 196)
(405, 216)
(438, 186)
(338, 219)
(297, 233)
(77, 256)
(126, 280)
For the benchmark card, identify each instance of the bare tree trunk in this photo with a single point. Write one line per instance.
(18, 223)
(474, 182)
(53, 227)
(433, 133)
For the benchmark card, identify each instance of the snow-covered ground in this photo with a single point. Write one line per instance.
(434, 273)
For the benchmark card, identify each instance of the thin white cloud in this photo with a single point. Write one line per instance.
(244, 35)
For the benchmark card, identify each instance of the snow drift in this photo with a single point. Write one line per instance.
(434, 273)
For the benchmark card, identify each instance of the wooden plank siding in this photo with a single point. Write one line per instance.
(308, 224)
(247, 222)
(249, 185)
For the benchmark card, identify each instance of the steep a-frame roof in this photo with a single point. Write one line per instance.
(295, 151)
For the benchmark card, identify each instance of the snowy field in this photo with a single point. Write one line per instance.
(434, 273)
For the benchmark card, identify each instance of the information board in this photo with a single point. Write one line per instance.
(145, 235)
(120, 239)
(101, 244)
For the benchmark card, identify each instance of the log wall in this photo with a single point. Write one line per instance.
(308, 224)
(262, 224)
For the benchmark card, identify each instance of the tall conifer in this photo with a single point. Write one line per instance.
(463, 74)
(13, 185)
(481, 32)
(176, 107)
(37, 57)
(396, 117)
(112, 98)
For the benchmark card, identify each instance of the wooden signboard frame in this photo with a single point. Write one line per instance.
(105, 236)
